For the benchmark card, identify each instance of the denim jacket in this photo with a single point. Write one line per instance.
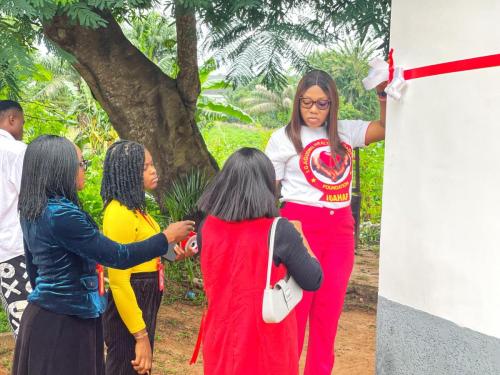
(62, 248)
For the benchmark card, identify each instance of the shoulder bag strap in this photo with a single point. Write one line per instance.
(271, 251)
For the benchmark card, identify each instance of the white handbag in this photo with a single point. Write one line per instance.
(279, 300)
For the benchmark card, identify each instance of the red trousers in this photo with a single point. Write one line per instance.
(330, 234)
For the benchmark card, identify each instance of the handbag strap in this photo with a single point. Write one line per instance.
(271, 251)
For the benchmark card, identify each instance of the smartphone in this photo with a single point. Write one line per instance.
(170, 255)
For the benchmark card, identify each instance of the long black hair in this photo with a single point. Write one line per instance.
(244, 189)
(327, 84)
(49, 170)
(123, 175)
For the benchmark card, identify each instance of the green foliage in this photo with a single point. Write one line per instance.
(259, 36)
(372, 169)
(154, 210)
(262, 100)
(180, 202)
(223, 139)
(90, 196)
(83, 14)
(15, 61)
(4, 323)
(348, 64)
(181, 199)
(155, 36)
(369, 234)
(61, 103)
(93, 127)
(367, 20)
(65, 97)
(42, 118)
(271, 109)
(209, 110)
(263, 53)
(347, 111)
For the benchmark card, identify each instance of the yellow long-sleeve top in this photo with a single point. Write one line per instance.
(124, 226)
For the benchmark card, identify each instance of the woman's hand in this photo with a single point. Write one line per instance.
(179, 230)
(143, 354)
(382, 96)
(182, 254)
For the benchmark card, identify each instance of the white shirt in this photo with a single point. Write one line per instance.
(11, 166)
(312, 177)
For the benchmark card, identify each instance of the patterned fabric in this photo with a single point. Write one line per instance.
(14, 290)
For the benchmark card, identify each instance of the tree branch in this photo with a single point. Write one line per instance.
(143, 103)
(187, 55)
(112, 67)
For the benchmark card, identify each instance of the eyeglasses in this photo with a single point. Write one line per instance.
(321, 104)
(84, 164)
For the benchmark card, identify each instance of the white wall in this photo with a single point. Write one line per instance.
(440, 245)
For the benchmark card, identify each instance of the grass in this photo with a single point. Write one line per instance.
(223, 139)
(4, 323)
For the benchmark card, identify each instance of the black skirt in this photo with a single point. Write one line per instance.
(55, 344)
(120, 343)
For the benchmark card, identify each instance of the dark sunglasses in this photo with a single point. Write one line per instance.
(84, 164)
(321, 104)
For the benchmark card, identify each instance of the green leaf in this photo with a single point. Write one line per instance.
(183, 195)
(208, 67)
(85, 15)
(215, 85)
(41, 74)
(226, 110)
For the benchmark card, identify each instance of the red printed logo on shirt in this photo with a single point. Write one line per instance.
(332, 176)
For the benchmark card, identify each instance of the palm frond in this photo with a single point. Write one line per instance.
(260, 108)
(220, 111)
(183, 195)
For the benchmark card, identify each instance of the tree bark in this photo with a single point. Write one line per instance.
(143, 103)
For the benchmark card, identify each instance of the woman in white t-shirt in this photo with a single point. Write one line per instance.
(312, 157)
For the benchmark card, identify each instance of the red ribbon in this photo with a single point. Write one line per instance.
(100, 279)
(391, 65)
(453, 66)
(447, 67)
(161, 274)
(196, 350)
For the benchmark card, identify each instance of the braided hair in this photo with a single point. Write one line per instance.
(123, 175)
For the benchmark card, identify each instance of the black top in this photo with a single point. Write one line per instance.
(289, 249)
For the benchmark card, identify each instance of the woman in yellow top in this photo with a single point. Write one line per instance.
(135, 293)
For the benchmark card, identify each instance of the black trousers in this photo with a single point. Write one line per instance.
(119, 341)
(56, 344)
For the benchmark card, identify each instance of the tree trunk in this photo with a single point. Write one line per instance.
(143, 103)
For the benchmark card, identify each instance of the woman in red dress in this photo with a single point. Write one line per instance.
(233, 239)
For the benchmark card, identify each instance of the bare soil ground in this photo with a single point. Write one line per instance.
(178, 326)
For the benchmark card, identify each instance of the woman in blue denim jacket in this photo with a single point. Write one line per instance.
(61, 331)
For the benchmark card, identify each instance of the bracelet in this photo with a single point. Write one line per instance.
(381, 94)
(139, 336)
